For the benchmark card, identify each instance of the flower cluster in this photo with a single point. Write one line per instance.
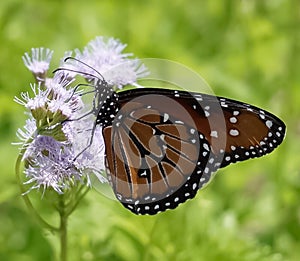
(105, 56)
(56, 139)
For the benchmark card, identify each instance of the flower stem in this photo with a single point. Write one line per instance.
(63, 229)
(79, 197)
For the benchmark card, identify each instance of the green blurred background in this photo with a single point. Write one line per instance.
(247, 50)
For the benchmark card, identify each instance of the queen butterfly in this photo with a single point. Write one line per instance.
(158, 155)
(163, 145)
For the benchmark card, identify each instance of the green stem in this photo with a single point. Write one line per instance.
(63, 229)
(65, 212)
(79, 198)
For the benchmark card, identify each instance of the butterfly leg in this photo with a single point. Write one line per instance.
(89, 144)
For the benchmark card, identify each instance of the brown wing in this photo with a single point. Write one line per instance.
(163, 144)
(155, 161)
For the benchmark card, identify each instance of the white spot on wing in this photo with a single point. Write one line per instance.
(205, 146)
(214, 134)
(223, 104)
(233, 120)
(269, 124)
(234, 132)
(166, 117)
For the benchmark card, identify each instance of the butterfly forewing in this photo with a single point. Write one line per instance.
(251, 132)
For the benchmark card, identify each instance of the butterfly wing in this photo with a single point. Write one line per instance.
(164, 145)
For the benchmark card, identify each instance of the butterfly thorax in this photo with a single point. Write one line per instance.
(106, 104)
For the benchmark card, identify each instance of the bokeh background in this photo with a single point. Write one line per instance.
(247, 50)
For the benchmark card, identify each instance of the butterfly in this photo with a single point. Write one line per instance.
(163, 145)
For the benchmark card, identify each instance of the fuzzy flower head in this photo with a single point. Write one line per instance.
(58, 153)
(105, 56)
(51, 105)
(38, 62)
(49, 165)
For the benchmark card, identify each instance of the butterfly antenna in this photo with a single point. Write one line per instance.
(89, 144)
(85, 64)
(79, 72)
(81, 94)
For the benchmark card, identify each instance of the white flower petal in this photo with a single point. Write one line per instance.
(38, 61)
